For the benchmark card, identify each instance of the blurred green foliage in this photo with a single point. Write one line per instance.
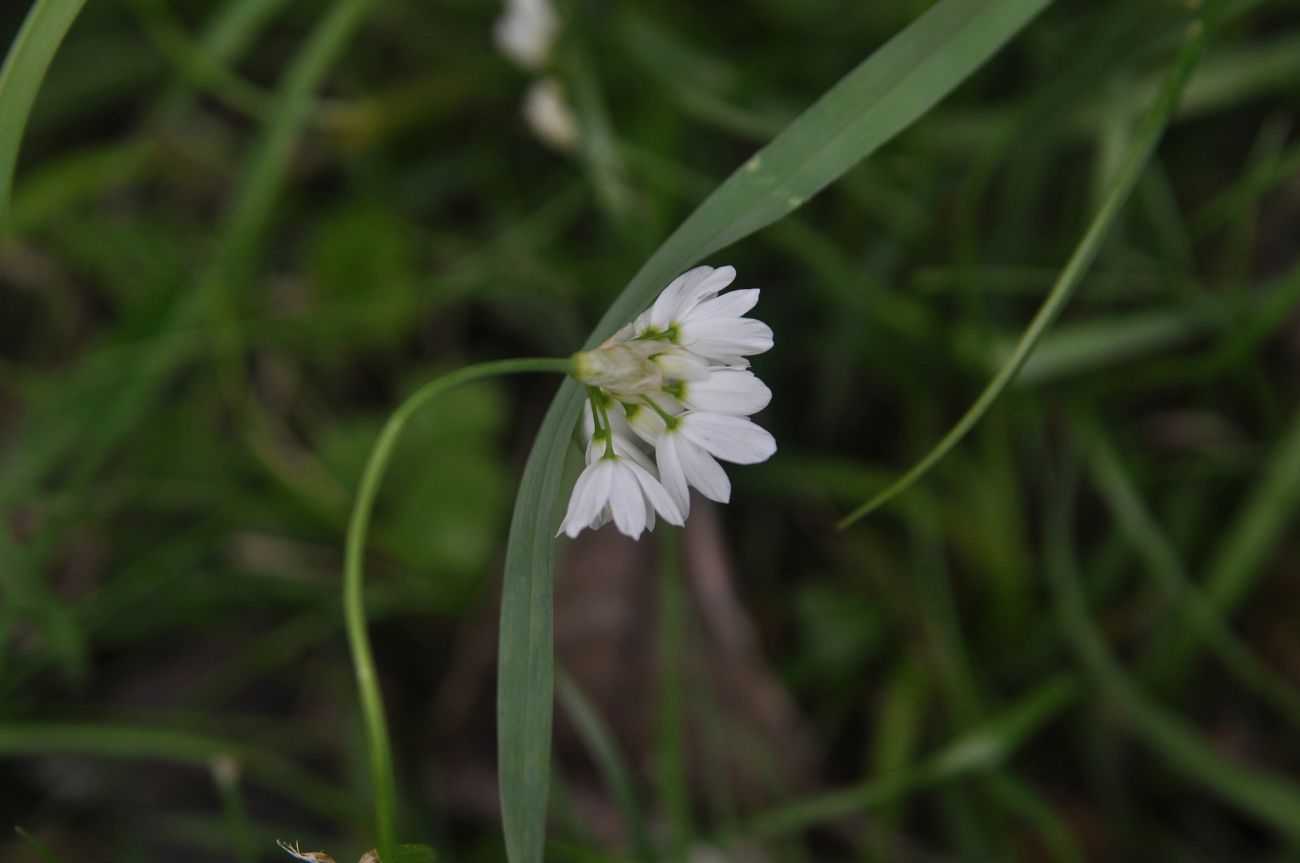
(242, 231)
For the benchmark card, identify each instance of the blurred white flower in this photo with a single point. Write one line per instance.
(676, 380)
(526, 32)
(548, 114)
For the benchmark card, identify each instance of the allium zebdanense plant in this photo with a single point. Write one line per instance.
(674, 383)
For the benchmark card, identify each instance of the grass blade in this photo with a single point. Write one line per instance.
(983, 747)
(157, 743)
(1136, 521)
(41, 851)
(20, 78)
(1076, 268)
(1238, 562)
(870, 105)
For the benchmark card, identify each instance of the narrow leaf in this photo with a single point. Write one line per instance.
(20, 78)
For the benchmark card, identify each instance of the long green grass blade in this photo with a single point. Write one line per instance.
(20, 78)
(1269, 508)
(1137, 522)
(201, 69)
(155, 743)
(1239, 560)
(983, 747)
(869, 106)
(1075, 269)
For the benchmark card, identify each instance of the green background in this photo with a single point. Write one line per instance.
(1075, 640)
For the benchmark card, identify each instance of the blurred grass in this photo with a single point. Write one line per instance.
(241, 230)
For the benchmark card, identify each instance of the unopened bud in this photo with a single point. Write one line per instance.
(619, 369)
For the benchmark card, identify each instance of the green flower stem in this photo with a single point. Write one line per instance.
(1075, 269)
(354, 611)
(600, 419)
(670, 421)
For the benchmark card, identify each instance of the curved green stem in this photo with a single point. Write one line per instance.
(1068, 280)
(354, 612)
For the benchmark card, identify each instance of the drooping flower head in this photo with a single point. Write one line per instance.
(676, 381)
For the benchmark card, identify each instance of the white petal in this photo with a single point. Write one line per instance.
(704, 473)
(626, 499)
(733, 439)
(658, 497)
(671, 473)
(730, 305)
(725, 338)
(728, 391)
(617, 414)
(590, 494)
(647, 423)
(664, 310)
(628, 331)
(629, 447)
(667, 403)
(686, 292)
(707, 289)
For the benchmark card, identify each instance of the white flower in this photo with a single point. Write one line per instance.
(687, 448)
(694, 316)
(716, 330)
(685, 292)
(617, 488)
(548, 114)
(526, 31)
(676, 379)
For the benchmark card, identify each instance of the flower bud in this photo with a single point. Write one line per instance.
(619, 369)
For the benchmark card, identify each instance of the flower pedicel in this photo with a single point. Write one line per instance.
(676, 381)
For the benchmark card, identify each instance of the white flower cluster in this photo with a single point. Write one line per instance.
(675, 380)
(526, 33)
